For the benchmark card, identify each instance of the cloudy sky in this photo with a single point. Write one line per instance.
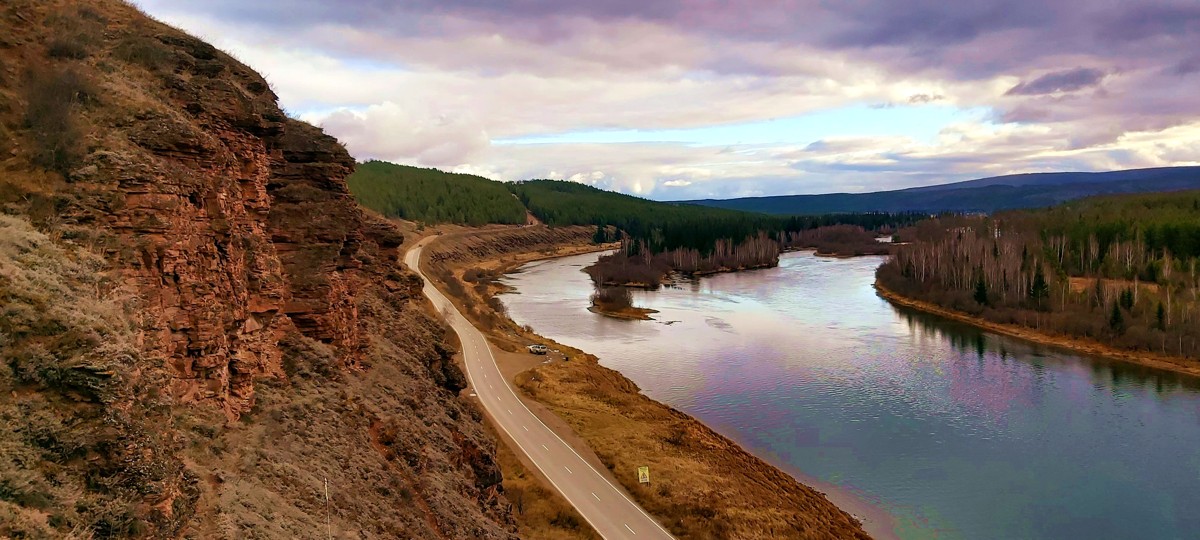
(680, 99)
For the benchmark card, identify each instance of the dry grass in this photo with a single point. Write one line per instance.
(74, 35)
(1086, 284)
(145, 51)
(77, 455)
(541, 514)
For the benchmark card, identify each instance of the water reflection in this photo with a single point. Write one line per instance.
(957, 432)
(965, 338)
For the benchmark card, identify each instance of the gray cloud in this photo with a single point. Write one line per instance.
(1068, 80)
(925, 98)
(1186, 66)
(926, 24)
(1152, 20)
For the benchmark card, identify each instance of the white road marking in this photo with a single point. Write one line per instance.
(630, 529)
(544, 447)
(524, 428)
(568, 469)
(509, 411)
(594, 495)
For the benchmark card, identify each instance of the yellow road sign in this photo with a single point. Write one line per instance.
(643, 475)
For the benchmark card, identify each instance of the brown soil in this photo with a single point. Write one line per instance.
(704, 485)
(1082, 345)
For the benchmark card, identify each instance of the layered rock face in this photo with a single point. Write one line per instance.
(249, 267)
(228, 216)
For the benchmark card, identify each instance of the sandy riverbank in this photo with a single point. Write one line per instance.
(705, 485)
(1081, 345)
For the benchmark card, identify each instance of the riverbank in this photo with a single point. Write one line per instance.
(1082, 345)
(704, 484)
(629, 313)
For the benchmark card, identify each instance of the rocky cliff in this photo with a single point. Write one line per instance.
(259, 340)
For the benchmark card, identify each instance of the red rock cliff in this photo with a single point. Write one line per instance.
(234, 221)
(280, 346)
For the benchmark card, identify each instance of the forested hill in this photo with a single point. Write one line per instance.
(1010, 192)
(433, 196)
(1122, 270)
(664, 225)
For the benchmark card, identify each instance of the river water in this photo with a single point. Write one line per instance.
(954, 432)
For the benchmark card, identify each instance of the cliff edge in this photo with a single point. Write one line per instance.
(202, 334)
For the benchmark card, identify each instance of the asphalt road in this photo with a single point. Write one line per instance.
(610, 512)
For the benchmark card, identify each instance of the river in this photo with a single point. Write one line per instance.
(954, 432)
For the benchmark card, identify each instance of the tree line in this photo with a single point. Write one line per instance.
(433, 196)
(658, 237)
(1121, 270)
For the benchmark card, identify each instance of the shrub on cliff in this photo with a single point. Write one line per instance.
(144, 51)
(56, 97)
(74, 34)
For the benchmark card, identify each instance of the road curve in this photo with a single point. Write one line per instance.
(610, 512)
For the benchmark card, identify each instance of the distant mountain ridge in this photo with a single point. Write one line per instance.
(1032, 190)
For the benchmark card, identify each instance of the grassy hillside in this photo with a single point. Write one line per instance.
(68, 340)
(433, 196)
(982, 195)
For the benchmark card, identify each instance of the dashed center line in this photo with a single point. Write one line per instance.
(509, 411)
(544, 447)
(630, 529)
(568, 469)
(524, 428)
(594, 495)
